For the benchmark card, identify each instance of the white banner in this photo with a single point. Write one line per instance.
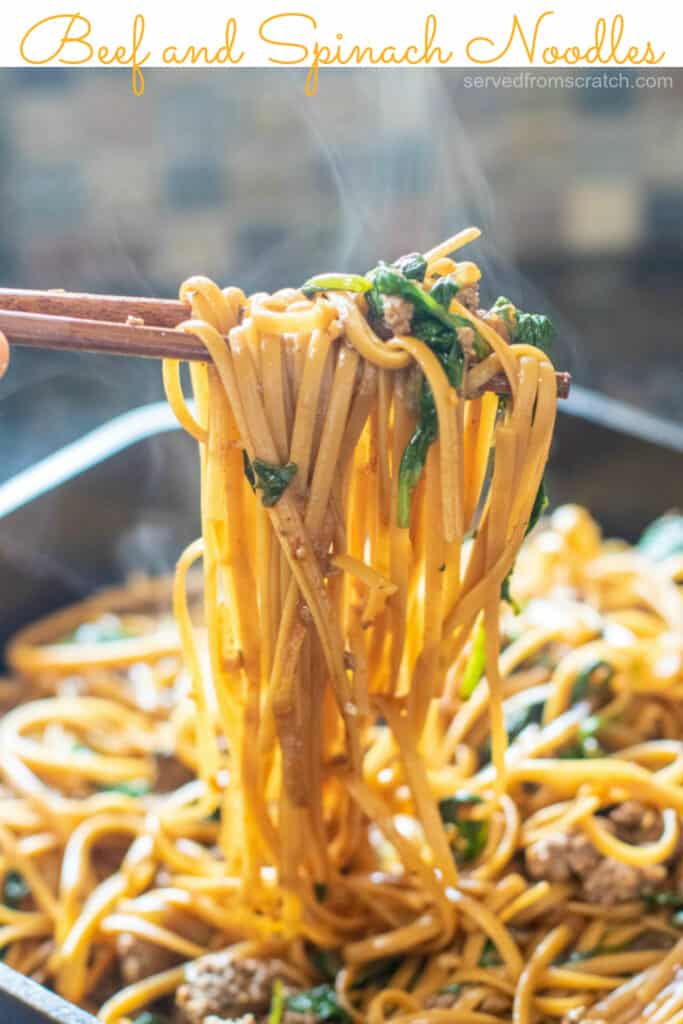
(320, 34)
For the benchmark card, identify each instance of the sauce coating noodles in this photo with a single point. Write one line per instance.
(350, 759)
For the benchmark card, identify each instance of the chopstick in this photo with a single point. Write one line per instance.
(124, 325)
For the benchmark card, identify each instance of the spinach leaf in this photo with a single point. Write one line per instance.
(528, 328)
(665, 898)
(14, 889)
(453, 362)
(506, 593)
(335, 283)
(135, 788)
(433, 333)
(538, 508)
(535, 329)
(490, 956)
(476, 663)
(415, 452)
(596, 674)
(507, 312)
(320, 1001)
(588, 744)
(446, 347)
(444, 289)
(663, 538)
(377, 972)
(515, 722)
(450, 805)
(327, 962)
(474, 835)
(469, 835)
(249, 470)
(150, 1018)
(375, 303)
(413, 266)
(269, 478)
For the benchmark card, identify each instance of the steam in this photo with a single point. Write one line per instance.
(376, 164)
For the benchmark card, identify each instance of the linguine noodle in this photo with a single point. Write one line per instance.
(382, 765)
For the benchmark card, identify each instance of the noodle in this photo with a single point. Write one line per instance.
(351, 761)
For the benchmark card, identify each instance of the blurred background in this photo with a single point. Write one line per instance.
(242, 177)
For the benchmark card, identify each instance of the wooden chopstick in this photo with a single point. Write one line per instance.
(124, 325)
(86, 306)
(71, 334)
(105, 324)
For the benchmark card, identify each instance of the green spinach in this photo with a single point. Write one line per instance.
(490, 957)
(469, 835)
(135, 788)
(272, 480)
(444, 290)
(327, 962)
(597, 674)
(14, 889)
(527, 328)
(377, 972)
(320, 1001)
(413, 266)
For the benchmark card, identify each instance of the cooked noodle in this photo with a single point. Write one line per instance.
(362, 768)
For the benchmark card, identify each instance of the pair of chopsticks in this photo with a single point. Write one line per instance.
(123, 326)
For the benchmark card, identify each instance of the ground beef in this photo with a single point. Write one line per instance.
(613, 882)
(582, 855)
(565, 857)
(171, 774)
(139, 959)
(469, 297)
(220, 985)
(636, 823)
(398, 314)
(548, 858)
(498, 324)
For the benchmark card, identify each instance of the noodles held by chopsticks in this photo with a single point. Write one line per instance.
(391, 783)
